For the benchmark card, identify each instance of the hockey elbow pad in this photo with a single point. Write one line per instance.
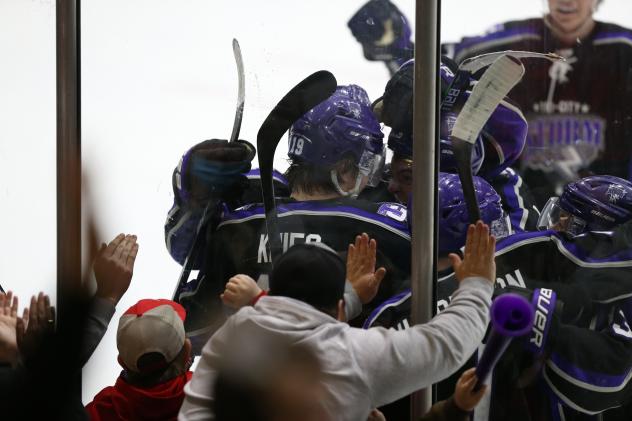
(547, 310)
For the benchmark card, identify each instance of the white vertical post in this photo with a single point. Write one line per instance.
(424, 208)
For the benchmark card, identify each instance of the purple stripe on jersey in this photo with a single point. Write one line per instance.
(469, 42)
(624, 255)
(318, 206)
(612, 35)
(589, 377)
(256, 173)
(512, 201)
(512, 240)
(369, 321)
(568, 245)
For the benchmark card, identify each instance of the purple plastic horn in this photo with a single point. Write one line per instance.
(511, 316)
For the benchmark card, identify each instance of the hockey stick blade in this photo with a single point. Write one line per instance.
(492, 87)
(490, 90)
(192, 256)
(241, 91)
(299, 100)
(455, 97)
(474, 64)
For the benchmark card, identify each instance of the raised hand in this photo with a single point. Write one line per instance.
(376, 415)
(240, 291)
(464, 395)
(479, 252)
(8, 319)
(35, 326)
(114, 267)
(361, 272)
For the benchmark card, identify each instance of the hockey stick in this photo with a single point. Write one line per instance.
(210, 206)
(455, 100)
(493, 86)
(474, 64)
(299, 100)
(241, 92)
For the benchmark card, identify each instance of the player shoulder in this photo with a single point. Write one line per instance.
(255, 174)
(497, 36)
(612, 34)
(390, 213)
(385, 215)
(522, 239)
(242, 214)
(390, 311)
(591, 249)
(504, 177)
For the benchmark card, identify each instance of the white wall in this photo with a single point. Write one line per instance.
(158, 76)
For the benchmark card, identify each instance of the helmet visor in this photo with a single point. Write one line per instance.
(555, 218)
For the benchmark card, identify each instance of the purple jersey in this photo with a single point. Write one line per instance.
(589, 363)
(578, 110)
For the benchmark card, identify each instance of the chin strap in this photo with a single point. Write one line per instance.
(353, 193)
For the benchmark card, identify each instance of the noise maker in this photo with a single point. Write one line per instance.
(511, 316)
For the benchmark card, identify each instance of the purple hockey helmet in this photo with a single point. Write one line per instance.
(396, 112)
(341, 126)
(594, 203)
(401, 144)
(454, 217)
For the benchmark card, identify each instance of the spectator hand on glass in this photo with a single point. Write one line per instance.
(35, 326)
(114, 267)
(478, 256)
(361, 272)
(8, 320)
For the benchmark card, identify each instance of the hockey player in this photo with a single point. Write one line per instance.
(577, 359)
(579, 110)
(452, 224)
(499, 145)
(335, 150)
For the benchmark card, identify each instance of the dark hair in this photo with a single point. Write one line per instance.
(166, 370)
(310, 273)
(245, 389)
(310, 178)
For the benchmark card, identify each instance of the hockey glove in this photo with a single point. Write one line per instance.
(213, 168)
(522, 363)
(547, 308)
(384, 33)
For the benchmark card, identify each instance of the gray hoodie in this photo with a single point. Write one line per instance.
(363, 369)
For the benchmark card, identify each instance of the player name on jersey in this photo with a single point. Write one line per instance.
(288, 239)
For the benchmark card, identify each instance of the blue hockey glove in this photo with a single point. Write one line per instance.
(213, 168)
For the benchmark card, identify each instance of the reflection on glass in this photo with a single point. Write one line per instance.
(27, 148)
(574, 166)
(164, 81)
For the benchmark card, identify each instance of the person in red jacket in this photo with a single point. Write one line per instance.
(155, 356)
